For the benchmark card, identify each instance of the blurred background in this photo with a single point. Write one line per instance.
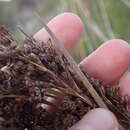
(103, 19)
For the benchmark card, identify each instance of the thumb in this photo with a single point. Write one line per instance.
(97, 119)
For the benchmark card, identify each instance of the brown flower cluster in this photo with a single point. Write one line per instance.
(35, 72)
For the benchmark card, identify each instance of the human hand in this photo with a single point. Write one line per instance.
(108, 63)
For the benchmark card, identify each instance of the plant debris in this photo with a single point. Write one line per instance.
(32, 74)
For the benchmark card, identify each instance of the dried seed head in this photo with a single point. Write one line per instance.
(29, 75)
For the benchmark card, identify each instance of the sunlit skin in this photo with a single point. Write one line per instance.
(108, 63)
(67, 27)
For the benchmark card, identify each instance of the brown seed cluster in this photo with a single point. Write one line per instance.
(29, 75)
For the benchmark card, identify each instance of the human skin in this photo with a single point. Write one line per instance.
(108, 63)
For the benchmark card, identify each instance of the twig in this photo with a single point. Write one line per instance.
(77, 70)
(63, 83)
(12, 96)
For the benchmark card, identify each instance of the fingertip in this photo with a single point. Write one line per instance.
(68, 28)
(97, 119)
(108, 62)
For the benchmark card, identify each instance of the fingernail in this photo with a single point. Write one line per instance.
(97, 119)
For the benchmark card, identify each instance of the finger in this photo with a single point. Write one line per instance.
(68, 28)
(97, 119)
(124, 85)
(108, 62)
